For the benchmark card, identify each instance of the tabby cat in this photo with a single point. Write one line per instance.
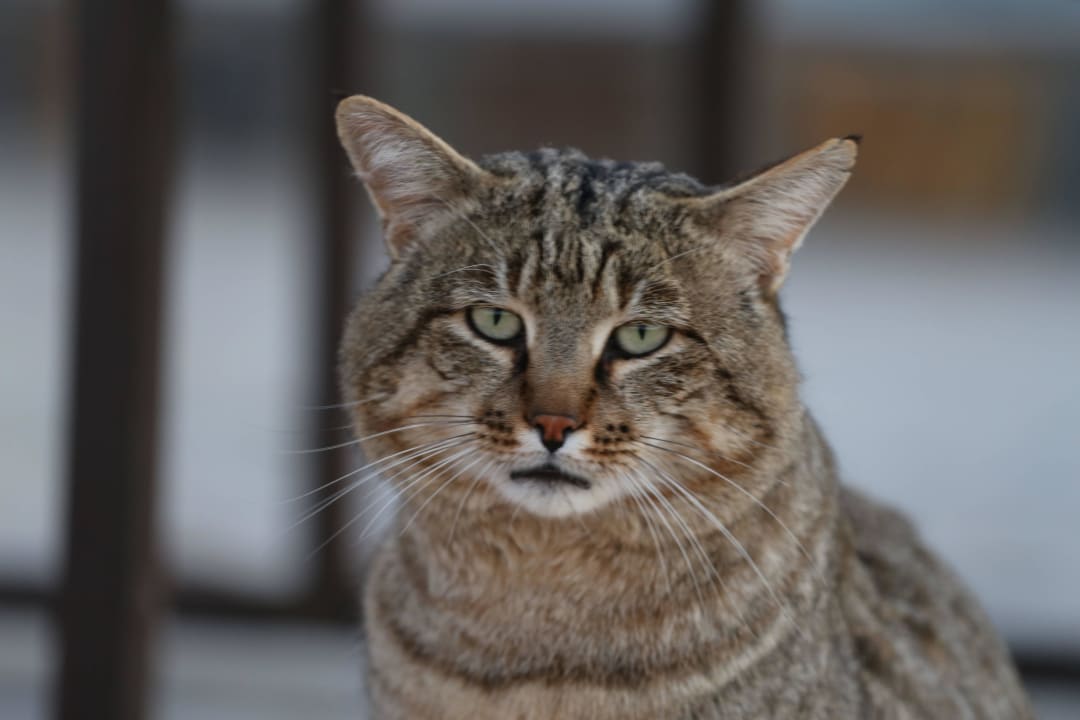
(613, 504)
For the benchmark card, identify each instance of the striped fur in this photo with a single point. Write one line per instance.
(713, 567)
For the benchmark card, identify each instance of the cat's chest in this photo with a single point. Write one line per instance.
(429, 664)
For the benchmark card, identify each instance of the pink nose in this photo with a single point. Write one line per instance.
(553, 429)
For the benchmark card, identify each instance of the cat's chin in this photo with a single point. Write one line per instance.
(553, 499)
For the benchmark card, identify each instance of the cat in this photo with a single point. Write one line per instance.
(613, 504)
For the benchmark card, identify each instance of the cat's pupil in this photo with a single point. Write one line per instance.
(641, 332)
(496, 316)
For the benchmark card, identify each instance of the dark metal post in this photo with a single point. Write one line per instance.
(111, 592)
(720, 59)
(334, 54)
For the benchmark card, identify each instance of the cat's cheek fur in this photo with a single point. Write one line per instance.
(417, 394)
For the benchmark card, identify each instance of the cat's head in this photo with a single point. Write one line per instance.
(572, 333)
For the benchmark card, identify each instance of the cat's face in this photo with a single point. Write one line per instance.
(571, 333)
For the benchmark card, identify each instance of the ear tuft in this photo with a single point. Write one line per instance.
(413, 177)
(767, 216)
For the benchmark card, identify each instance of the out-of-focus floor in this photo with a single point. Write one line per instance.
(206, 671)
(228, 671)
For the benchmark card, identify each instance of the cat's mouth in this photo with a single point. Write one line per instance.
(551, 474)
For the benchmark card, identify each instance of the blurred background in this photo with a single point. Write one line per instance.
(935, 309)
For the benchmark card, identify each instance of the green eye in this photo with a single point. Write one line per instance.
(641, 339)
(495, 324)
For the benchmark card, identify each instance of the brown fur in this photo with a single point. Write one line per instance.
(714, 567)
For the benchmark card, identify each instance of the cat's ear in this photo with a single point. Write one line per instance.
(416, 180)
(766, 217)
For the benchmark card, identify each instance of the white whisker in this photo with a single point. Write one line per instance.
(411, 484)
(457, 211)
(372, 436)
(644, 505)
(739, 547)
(384, 506)
(695, 448)
(416, 458)
(717, 577)
(461, 506)
(410, 452)
(340, 406)
(676, 256)
(758, 502)
(447, 416)
(431, 497)
(489, 267)
(652, 490)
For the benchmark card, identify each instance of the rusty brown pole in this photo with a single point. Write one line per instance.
(111, 594)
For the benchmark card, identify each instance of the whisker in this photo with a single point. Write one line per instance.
(695, 543)
(412, 483)
(758, 502)
(706, 560)
(720, 455)
(454, 417)
(410, 451)
(739, 547)
(651, 490)
(491, 268)
(303, 429)
(372, 436)
(457, 211)
(710, 568)
(570, 508)
(676, 256)
(382, 508)
(697, 449)
(457, 515)
(442, 487)
(340, 406)
(335, 428)
(749, 438)
(643, 506)
(416, 459)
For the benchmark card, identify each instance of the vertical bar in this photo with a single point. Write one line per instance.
(111, 592)
(721, 55)
(336, 35)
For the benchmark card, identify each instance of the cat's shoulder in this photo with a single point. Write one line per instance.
(889, 564)
(876, 527)
(917, 632)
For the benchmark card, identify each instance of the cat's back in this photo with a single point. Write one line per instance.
(924, 646)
